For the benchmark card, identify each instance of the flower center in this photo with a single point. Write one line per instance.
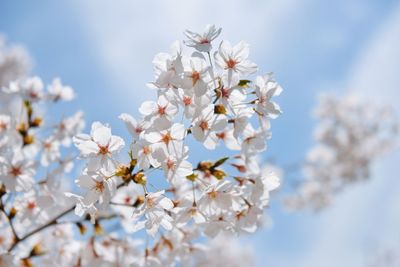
(103, 150)
(221, 135)
(204, 41)
(150, 202)
(15, 171)
(146, 150)
(31, 205)
(204, 125)
(187, 100)
(138, 130)
(47, 145)
(213, 194)
(170, 164)
(195, 77)
(99, 186)
(162, 110)
(231, 63)
(33, 94)
(127, 199)
(225, 92)
(61, 126)
(166, 138)
(3, 126)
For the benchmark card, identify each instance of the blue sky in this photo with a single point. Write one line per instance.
(104, 50)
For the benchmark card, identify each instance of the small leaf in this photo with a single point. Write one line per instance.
(220, 162)
(244, 83)
(192, 177)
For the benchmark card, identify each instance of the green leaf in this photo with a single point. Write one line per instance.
(244, 83)
(220, 162)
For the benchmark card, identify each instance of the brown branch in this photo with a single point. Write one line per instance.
(50, 223)
(9, 218)
(34, 231)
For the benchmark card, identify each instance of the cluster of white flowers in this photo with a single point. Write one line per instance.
(204, 97)
(35, 154)
(350, 134)
(14, 62)
(224, 250)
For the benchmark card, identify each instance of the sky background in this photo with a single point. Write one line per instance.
(104, 49)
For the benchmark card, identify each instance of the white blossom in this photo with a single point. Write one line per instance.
(202, 42)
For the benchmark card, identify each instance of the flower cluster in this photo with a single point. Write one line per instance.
(386, 256)
(350, 134)
(206, 99)
(34, 157)
(14, 62)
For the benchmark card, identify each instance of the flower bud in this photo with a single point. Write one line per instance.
(37, 250)
(139, 178)
(124, 172)
(192, 177)
(139, 201)
(13, 212)
(21, 128)
(26, 262)
(244, 83)
(29, 139)
(204, 165)
(36, 122)
(82, 228)
(133, 163)
(2, 190)
(219, 174)
(98, 230)
(219, 109)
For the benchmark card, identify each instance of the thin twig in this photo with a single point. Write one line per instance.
(8, 216)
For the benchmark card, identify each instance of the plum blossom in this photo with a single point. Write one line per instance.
(167, 138)
(202, 42)
(206, 126)
(17, 171)
(174, 163)
(266, 88)
(234, 59)
(57, 91)
(143, 152)
(196, 75)
(254, 140)
(154, 209)
(99, 146)
(51, 151)
(161, 112)
(31, 205)
(99, 188)
(167, 68)
(134, 127)
(69, 127)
